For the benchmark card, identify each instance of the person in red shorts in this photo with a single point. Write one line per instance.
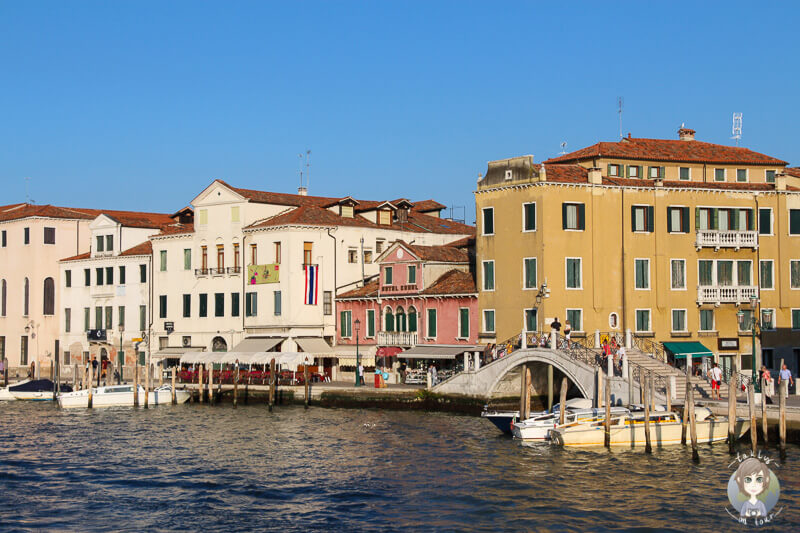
(715, 374)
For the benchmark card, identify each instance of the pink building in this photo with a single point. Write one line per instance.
(423, 304)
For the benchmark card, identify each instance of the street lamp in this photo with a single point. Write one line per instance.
(120, 355)
(766, 322)
(357, 325)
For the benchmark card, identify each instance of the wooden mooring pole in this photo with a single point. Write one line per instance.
(550, 388)
(305, 382)
(732, 411)
(173, 394)
(692, 421)
(652, 382)
(648, 447)
(607, 438)
(200, 383)
(236, 386)
(136, 384)
(764, 410)
(147, 385)
(272, 380)
(563, 394)
(211, 384)
(75, 377)
(753, 426)
(784, 390)
(91, 378)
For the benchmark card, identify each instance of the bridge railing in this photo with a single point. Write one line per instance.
(653, 349)
(639, 372)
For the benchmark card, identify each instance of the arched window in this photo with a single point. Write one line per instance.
(3, 298)
(26, 297)
(412, 319)
(400, 319)
(49, 305)
(388, 321)
(219, 345)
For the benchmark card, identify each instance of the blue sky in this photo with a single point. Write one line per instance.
(139, 105)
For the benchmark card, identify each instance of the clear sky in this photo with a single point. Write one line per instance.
(139, 105)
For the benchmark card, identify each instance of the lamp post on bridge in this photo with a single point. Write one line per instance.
(766, 321)
(357, 325)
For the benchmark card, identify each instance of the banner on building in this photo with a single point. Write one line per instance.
(258, 274)
(312, 280)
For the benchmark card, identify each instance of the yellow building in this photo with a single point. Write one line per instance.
(667, 238)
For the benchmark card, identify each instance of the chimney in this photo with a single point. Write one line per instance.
(686, 134)
(542, 173)
(780, 181)
(302, 191)
(595, 176)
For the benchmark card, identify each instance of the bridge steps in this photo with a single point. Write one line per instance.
(699, 385)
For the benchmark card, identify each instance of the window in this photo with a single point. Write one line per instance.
(219, 304)
(367, 256)
(86, 317)
(187, 258)
(109, 243)
(49, 303)
(101, 244)
(765, 221)
(142, 317)
(345, 323)
(87, 277)
(685, 173)
(412, 274)
(98, 318)
(26, 297)
(766, 274)
(400, 320)
(346, 211)
(642, 273)
(65, 358)
(379, 245)
(463, 323)
(308, 248)
(531, 319)
(487, 227)
(678, 274)
(613, 170)
(488, 275)
(235, 213)
(98, 276)
(384, 217)
(529, 217)
(656, 173)
(794, 274)
(3, 297)
(678, 320)
(574, 275)
(277, 298)
(573, 217)
(121, 316)
(795, 318)
(142, 273)
(26, 238)
(678, 219)
(575, 317)
(4, 239)
(706, 320)
(109, 317)
(236, 263)
(67, 320)
(529, 272)
(642, 218)
(705, 272)
(327, 307)
(370, 323)
(204, 258)
(725, 273)
(387, 276)
(109, 275)
(202, 217)
(23, 349)
(253, 254)
(794, 221)
(162, 306)
(220, 257)
(251, 304)
(187, 305)
(234, 304)
(744, 271)
(388, 320)
(643, 320)
(68, 278)
(49, 235)
(431, 326)
(633, 171)
(277, 252)
(122, 275)
(719, 174)
(163, 260)
(352, 255)
(769, 176)
(203, 311)
(488, 320)
(741, 175)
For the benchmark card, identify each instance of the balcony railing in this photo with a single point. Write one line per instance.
(397, 338)
(230, 271)
(234, 270)
(726, 239)
(200, 272)
(716, 294)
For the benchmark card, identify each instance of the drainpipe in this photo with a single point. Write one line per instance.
(333, 299)
(244, 280)
(624, 294)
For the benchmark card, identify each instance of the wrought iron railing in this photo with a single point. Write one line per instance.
(651, 348)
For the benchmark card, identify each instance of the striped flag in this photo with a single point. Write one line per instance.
(312, 280)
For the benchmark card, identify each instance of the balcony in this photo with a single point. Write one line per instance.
(216, 272)
(102, 291)
(716, 294)
(232, 271)
(726, 239)
(202, 272)
(397, 338)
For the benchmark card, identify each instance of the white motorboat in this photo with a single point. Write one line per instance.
(121, 395)
(5, 394)
(665, 429)
(538, 428)
(37, 390)
(504, 419)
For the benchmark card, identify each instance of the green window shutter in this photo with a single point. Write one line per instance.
(563, 216)
(685, 220)
(715, 218)
(650, 218)
(662, 172)
(623, 170)
(581, 217)
(633, 218)
(649, 171)
(794, 221)
(464, 323)
(608, 172)
(343, 323)
(751, 220)
(412, 321)
(431, 322)
(669, 219)
(696, 218)
(735, 221)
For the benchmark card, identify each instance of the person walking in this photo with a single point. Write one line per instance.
(715, 375)
(769, 383)
(361, 374)
(785, 375)
(567, 332)
(94, 369)
(3, 371)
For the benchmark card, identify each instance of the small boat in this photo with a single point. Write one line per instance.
(504, 419)
(121, 395)
(665, 429)
(538, 428)
(5, 394)
(37, 389)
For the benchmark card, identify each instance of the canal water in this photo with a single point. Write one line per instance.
(197, 467)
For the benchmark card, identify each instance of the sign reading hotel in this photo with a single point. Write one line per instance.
(258, 274)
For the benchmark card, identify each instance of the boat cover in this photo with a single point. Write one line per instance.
(38, 385)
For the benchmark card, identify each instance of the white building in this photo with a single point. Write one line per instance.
(105, 292)
(205, 297)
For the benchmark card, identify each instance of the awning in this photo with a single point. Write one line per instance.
(191, 358)
(346, 354)
(168, 353)
(314, 346)
(257, 344)
(680, 350)
(438, 351)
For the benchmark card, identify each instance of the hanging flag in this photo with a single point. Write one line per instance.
(312, 280)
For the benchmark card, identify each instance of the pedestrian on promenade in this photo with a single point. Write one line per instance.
(403, 370)
(769, 383)
(715, 375)
(556, 325)
(567, 331)
(785, 375)
(94, 369)
(361, 374)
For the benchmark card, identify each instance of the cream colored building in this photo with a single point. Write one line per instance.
(667, 238)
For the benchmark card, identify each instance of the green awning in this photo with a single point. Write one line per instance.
(680, 350)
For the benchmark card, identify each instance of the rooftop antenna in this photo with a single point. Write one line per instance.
(301, 169)
(27, 192)
(563, 148)
(308, 169)
(737, 127)
(620, 101)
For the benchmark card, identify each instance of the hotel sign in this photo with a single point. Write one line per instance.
(259, 274)
(728, 344)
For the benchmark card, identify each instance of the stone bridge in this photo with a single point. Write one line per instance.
(482, 383)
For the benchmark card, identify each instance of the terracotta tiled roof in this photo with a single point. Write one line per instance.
(466, 242)
(452, 282)
(78, 257)
(367, 291)
(133, 219)
(145, 248)
(793, 171)
(566, 173)
(176, 229)
(669, 150)
(447, 254)
(427, 205)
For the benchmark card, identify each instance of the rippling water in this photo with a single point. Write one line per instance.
(197, 467)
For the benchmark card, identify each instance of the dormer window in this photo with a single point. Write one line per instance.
(384, 217)
(346, 211)
(402, 215)
(509, 174)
